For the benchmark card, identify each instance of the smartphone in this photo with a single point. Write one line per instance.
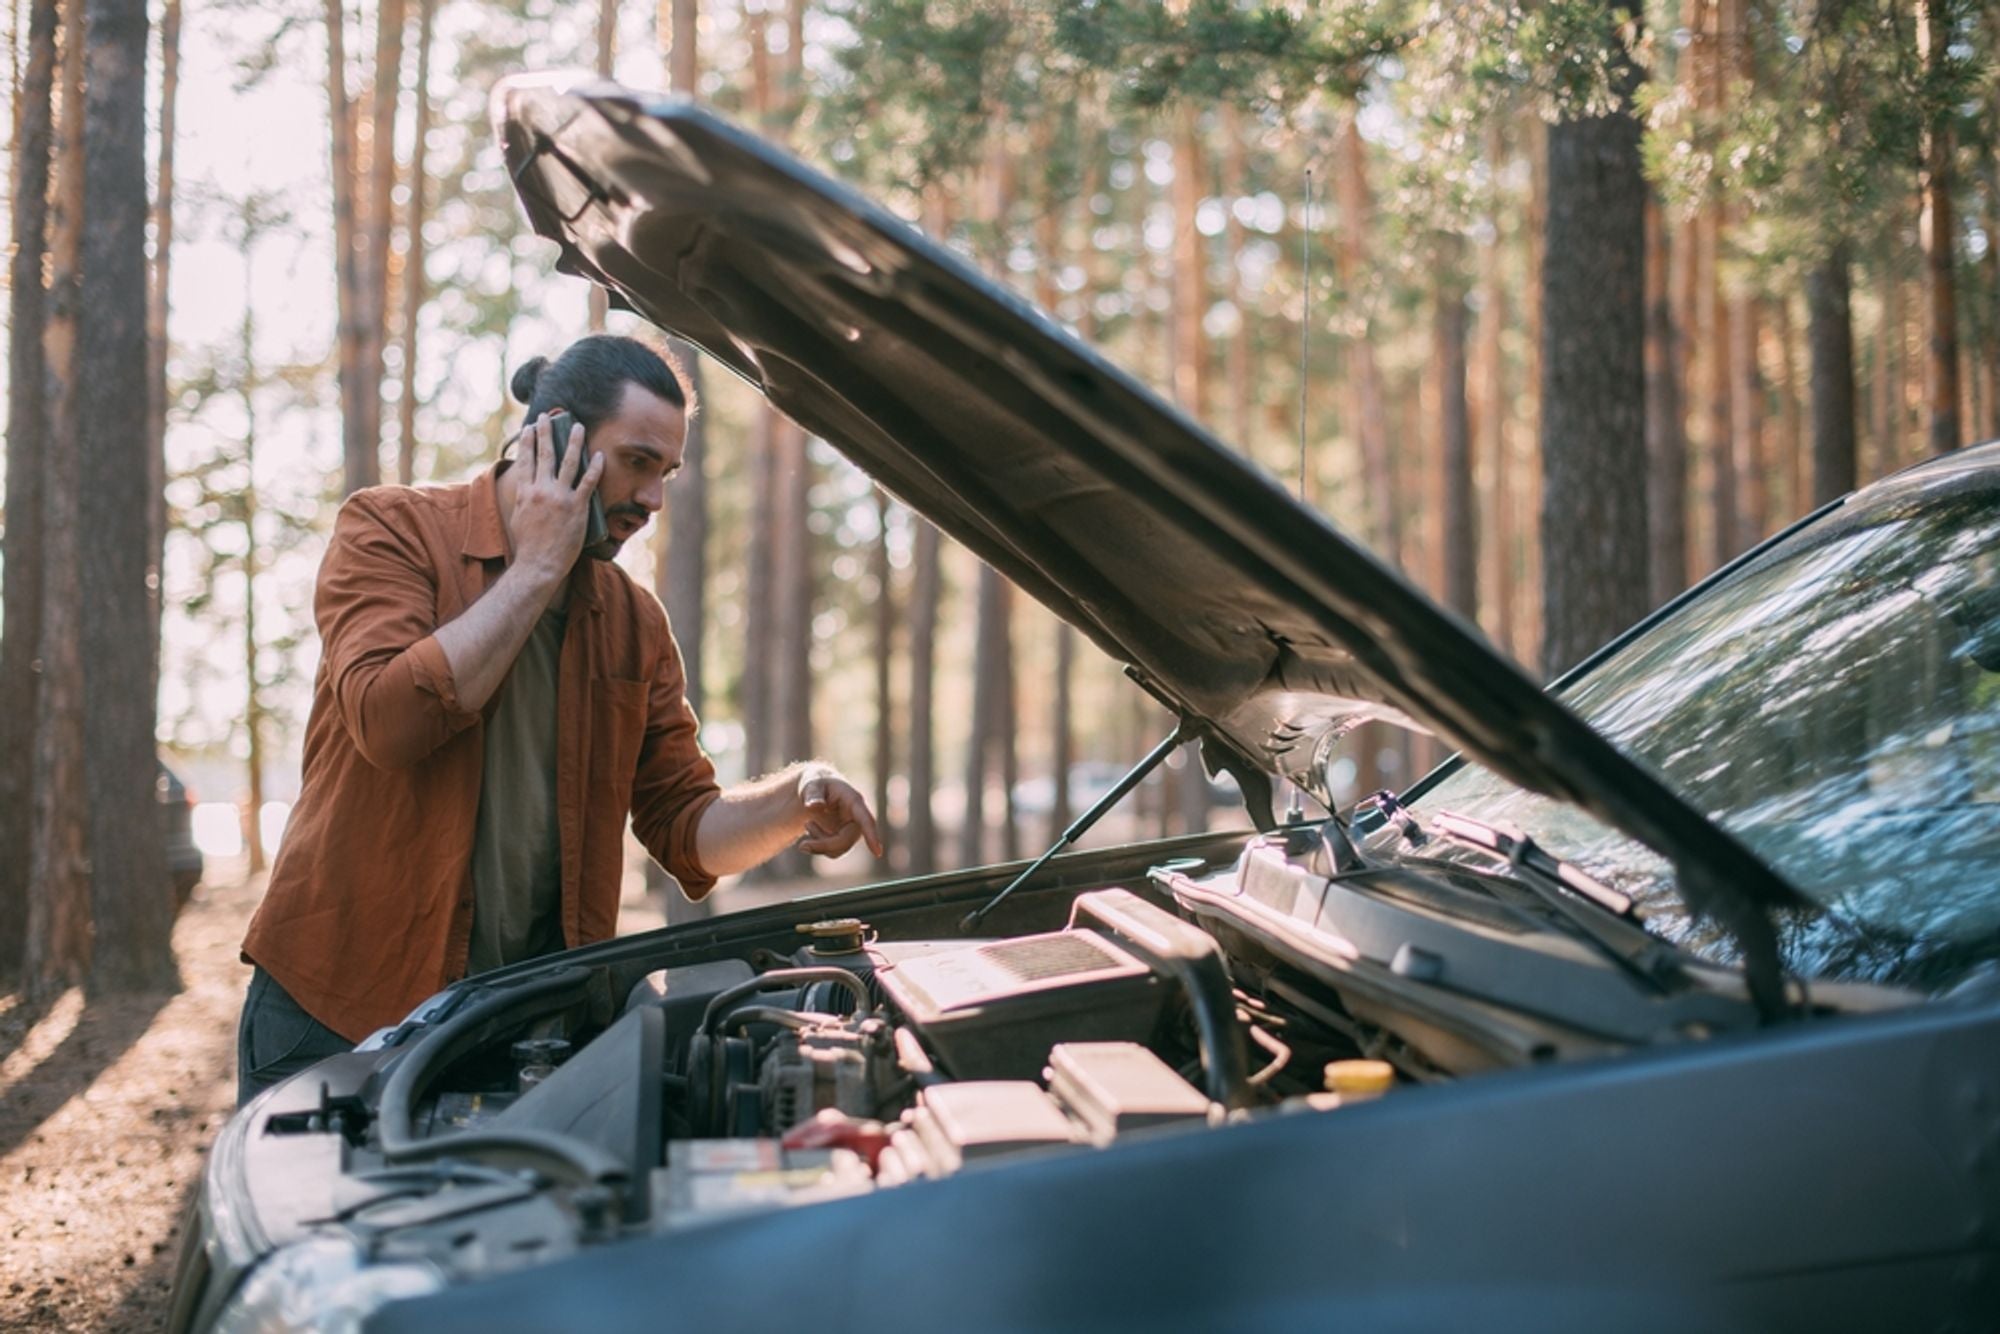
(596, 531)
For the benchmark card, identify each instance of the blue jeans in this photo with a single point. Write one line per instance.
(275, 1039)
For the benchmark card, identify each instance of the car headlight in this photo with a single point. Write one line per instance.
(322, 1285)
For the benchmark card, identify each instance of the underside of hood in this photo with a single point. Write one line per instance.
(1245, 612)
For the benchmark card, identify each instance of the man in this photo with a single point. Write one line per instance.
(492, 702)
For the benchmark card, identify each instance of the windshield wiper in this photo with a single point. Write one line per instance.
(1600, 914)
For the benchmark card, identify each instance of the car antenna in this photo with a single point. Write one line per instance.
(1295, 809)
(1081, 825)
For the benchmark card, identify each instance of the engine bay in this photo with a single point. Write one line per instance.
(856, 1064)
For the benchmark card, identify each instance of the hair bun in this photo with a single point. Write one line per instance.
(525, 379)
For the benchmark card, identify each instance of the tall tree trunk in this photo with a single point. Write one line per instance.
(1062, 742)
(1190, 361)
(1006, 729)
(607, 52)
(361, 465)
(794, 627)
(1492, 467)
(156, 329)
(58, 944)
(253, 694)
(1593, 384)
(1830, 335)
(378, 218)
(1529, 466)
(1712, 332)
(1746, 387)
(23, 561)
(415, 289)
(1893, 365)
(1792, 462)
(987, 682)
(1666, 448)
(921, 835)
(760, 731)
(1236, 367)
(1746, 423)
(1371, 424)
(1459, 542)
(1937, 230)
(681, 573)
(885, 652)
(131, 900)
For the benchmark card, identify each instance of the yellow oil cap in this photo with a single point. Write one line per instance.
(1354, 1080)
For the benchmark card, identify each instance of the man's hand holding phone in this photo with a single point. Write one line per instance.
(552, 503)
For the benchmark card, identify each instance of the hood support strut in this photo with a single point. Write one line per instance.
(1183, 732)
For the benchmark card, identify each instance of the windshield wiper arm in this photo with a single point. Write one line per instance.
(1599, 913)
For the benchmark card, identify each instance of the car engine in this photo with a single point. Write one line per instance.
(856, 1064)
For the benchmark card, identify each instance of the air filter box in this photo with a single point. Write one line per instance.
(993, 1011)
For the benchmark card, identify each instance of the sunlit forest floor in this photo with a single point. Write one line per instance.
(107, 1111)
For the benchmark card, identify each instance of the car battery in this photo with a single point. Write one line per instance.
(993, 1011)
(954, 1125)
(1114, 1088)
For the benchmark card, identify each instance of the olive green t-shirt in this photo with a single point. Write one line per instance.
(516, 850)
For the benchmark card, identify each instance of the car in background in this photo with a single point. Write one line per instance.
(177, 803)
(1672, 1002)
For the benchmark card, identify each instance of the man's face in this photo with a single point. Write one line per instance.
(643, 445)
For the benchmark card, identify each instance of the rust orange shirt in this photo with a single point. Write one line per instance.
(369, 907)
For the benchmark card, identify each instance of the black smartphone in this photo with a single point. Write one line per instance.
(596, 531)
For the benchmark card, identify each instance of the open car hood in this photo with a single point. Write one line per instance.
(1245, 612)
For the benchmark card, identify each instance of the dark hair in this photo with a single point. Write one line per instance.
(590, 377)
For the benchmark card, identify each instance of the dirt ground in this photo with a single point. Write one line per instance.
(107, 1110)
(106, 1113)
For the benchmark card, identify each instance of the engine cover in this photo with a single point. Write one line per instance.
(993, 1011)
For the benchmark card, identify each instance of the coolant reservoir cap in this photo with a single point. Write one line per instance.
(1359, 1079)
(836, 935)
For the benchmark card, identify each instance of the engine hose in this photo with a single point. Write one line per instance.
(780, 977)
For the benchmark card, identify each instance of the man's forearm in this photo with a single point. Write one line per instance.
(482, 643)
(751, 823)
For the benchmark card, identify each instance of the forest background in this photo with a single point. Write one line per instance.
(1558, 306)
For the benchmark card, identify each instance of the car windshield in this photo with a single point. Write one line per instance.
(1836, 705)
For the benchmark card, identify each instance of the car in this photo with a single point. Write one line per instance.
(1670, 1002)
(177, 817)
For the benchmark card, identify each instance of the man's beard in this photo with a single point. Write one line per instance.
(613, 544)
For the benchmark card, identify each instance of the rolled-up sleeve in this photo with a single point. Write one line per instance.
(376, 606)
(675, 783)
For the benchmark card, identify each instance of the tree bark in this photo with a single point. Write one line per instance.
(1492, 466)
(1593, 385)
(1529, 466)
(1937, 231)
(158, 293)
(131, 900)
(794, 627)
(361, 464)
(415, 289)
(1459, 542)
(607, 51)
(1666, 447)
(885, 652)
(1793, 462)
(253, 695)
(378, 218)
(25, 566)
(921, 837)
(1830, 334)
(760, 612)
(59, 940)
(986, 686)
(1351, 258)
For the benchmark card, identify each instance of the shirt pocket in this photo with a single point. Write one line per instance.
(617, 727)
